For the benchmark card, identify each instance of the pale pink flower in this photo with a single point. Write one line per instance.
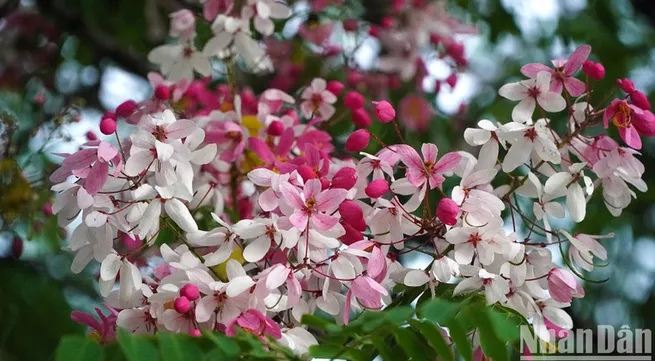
(318, 100)
(255, 323)
(316, 33)
(563, 286)
(311, 207)
(562, 75)
(368, 293)
(427, 170)
(529, 93)
(415, 112)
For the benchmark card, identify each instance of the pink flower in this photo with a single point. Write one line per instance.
(625, 116)
(384, 111)
(311, 206)
(447, 211)
(212, 8)
(183, 24)
(103, 331)
(563, 286)
(562, 74)
(254, 322)
(367, 291)
(419, 171)
(318, 100)
(90, 164)
(415, 112)
(315, 33)
(274, 157)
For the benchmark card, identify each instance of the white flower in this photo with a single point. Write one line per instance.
(575, 195)
(529, 93)
(495, 287)
(263, 11)
(130, 277)
(178, 61)
(524, 140)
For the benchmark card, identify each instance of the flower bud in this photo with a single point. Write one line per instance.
(452, 80)
(435, 39)
(195, 333)
(325, 183)
(374, 31)
(645, 123)
(335, 87)
(563, 286)
(353, 100)
(626, 85)
(190, 291)
(162, 92)
(306, 172)
(110, 115)
(131, 243)
(276, 128)
(447, 211)
(595, 71)
(361, 118)
(345, 178)
(125, 109)
(352, 214)
(183, 24)
(91, 135)
(377, 188)
(639, 99)
(358, 140)
(351, 236)
(387, 22)
(350, 25)
(384, 111)
(17, 247)
(47, 209)
(107, 126)
(182, 304)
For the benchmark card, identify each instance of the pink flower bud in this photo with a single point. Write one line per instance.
(358, 140)
(162, 92)
(384, 111)
(452, 80)
(455, 50)
(182, 304)
(344, 178)
(563, 286)
(183, 24)
(17, 247)
(190, 291)
(325, 183)
(447, 211)
(39, 99)
(47, 209)
(131, 243)
(91, 135)
(374, 31)
(626, 85)
(350, 25)
(387, 22)
(361, 118)
(352, 214)
(639, 99)
(125, 109)
(377, 188)
(435, 39)
(335, 87)
(354, 77)
(595, 71)
(645, 124)
(195, 333)
(107, 126)
(351, 236)
(397, 5)
(394, 81)
(276, 128)
(306, 172)
(110, 115)
(353, 100)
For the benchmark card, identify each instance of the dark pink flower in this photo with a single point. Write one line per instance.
(254, 322)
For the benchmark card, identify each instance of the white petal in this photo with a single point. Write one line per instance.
(239, 285)
(557, 182)
(518, 153)
(551, 102)
(415, 278)
(575, 202)
(558, 317)
(257, 249)
(513, 91)
(522, 112)
(110, 267)
(180, 214)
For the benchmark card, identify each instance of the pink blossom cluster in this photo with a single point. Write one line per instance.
(271, 220)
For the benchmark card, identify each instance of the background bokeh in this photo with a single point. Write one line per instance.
(92, 54)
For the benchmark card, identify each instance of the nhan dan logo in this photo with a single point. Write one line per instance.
(605, 343)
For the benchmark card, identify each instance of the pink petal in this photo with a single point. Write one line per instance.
(286, 142)
(86, 319)
(429, 152)
(575, 87)
(531, 70)
(576, 59)
(556, 86)
(312, 188)
(299, 220)
(106, 152)
(377, 263)
(329, 200)
(291, 196)
(180, 129)
(294, 291)
(81, 159)
(631, 137)
(409, 156)
(96, 178)
(448, 162)
(262, 150)
(346, 308)
(323, 222)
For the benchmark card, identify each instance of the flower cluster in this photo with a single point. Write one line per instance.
(268, 220)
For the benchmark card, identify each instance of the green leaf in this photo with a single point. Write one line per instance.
(320, 323)
(434, 337)
(399, 315)
(137, 348)
(458, 335)
(177, 347)
(228, 346)
(440, 310)
(507, 323)
(386, 351)
(410, 344)
(78, 348)
(337, 352)
(491, 345)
